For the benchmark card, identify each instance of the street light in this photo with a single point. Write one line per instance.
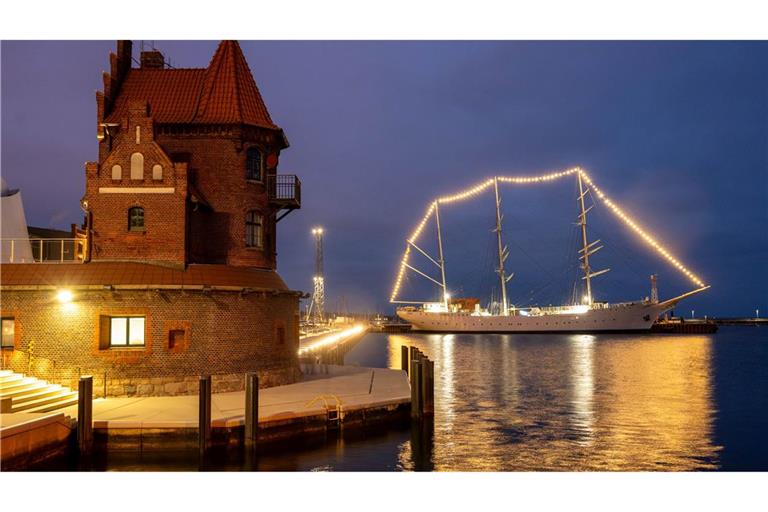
(64, 296)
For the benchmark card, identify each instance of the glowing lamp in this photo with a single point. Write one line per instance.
(64, 296)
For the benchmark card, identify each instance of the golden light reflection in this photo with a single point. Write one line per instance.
(583, 385)
(662, 412)
(569, 403)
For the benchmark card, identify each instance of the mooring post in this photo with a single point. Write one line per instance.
(85, 413)
(204, 419)
(428, 387)
(404, 358)
(251, 409)
(416, 396)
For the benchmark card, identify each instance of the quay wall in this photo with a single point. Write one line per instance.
(188, 333)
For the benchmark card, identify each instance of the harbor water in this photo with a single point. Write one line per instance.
(547, 402)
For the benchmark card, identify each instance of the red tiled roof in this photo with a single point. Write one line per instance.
(136, 275)
(223, 93)
(229, 92)
(172, 94)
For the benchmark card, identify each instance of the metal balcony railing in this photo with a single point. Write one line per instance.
(42, 250)
(285, 190)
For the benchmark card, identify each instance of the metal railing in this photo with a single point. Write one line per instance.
(42, 250)
(284, 188)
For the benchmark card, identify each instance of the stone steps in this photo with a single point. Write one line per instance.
(28, 394)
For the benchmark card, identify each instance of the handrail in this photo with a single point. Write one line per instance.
(42, 250)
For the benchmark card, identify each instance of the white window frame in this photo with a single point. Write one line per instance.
(129, 331)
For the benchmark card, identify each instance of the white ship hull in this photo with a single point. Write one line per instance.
(620, 317)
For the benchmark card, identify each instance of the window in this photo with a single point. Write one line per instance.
(137, 166)
(126, 331)
(254, 229)
(117, 172)
(136, 219)
(157, 172)
(8, 331)
(253, 164)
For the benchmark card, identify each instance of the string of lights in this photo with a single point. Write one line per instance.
(483, 186)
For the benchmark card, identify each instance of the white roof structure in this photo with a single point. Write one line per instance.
(14, 238)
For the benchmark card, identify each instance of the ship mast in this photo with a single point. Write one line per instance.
(442, 260)
(503, 252)
(587, 248)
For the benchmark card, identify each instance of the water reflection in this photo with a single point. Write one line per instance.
(583, 386)
(571, 402)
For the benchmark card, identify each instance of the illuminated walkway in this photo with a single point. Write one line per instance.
(356, 388)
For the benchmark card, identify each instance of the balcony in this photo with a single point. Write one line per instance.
(42, 250)
(284, 193)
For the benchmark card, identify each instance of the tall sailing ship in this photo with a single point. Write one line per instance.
(588, 315)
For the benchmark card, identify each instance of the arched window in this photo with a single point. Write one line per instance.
(137, 166)
(253, 164)
(117, 172)
(157, 172)
(136, 219)
(254, 229)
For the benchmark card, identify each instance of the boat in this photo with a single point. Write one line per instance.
(585, 316)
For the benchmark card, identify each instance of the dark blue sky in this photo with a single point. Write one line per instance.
(676, 132)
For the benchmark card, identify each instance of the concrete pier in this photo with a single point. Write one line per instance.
(343, 397)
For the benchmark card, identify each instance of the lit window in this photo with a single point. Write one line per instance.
(8, 330)
(117, 172)
(254, 229)
(137, 166)
(126, 331)
(136, 219)
(253, 164)
(157, 172)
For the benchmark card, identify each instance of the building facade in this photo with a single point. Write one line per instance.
(178, 277)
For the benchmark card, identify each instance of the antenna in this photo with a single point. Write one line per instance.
(654, 289)
(316, 311)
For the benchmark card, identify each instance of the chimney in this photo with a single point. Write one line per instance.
(152, 60)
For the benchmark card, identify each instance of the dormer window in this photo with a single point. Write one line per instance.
(136, 219)
(253, 164)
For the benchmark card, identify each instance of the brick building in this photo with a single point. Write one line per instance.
(177, 274)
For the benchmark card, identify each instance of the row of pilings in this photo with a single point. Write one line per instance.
(421, 373)
(85, 413)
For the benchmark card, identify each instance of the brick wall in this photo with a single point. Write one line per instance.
(217, 163)
(210, 159)
(227, 334)
(164, 236)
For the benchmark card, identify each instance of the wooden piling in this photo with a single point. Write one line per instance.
(404, 358)
(204, 418)
(251, 409)
(428, 387)
(85, 414)
(416, 383)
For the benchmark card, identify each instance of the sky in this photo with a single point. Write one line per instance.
(674, 132)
